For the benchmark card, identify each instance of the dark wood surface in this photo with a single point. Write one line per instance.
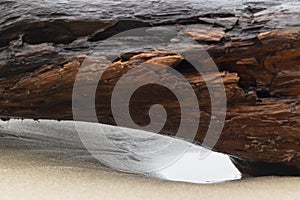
(255, 45)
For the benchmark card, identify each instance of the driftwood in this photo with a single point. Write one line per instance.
(255, 45)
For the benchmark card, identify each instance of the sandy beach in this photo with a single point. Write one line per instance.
(32, 177)
(36, 165)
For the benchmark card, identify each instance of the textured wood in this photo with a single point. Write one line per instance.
(254, 44)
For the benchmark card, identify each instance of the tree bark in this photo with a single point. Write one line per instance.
(255, 45)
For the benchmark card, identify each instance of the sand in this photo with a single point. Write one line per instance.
(35, 165)
(27, 177)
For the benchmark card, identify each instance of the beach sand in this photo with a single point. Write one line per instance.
(37, 165)
(32, 177)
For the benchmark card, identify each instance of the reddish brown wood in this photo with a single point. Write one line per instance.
(255, 46)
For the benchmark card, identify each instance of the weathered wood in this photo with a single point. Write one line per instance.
(254, 44)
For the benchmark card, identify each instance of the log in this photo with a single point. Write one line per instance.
(255, 45)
